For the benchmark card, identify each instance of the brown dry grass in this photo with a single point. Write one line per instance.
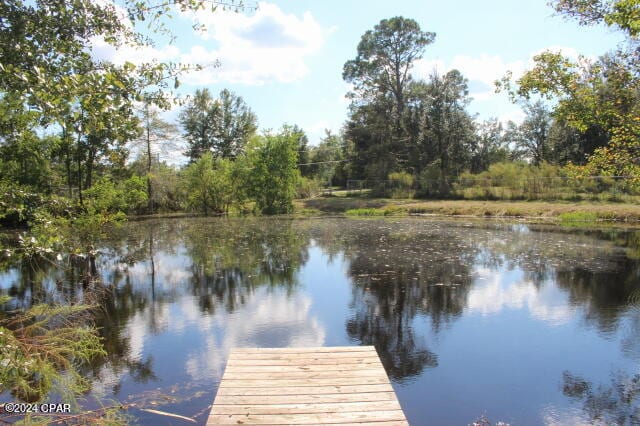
(524, 209)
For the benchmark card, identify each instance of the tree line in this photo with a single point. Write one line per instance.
(69, 123)
(399, 123)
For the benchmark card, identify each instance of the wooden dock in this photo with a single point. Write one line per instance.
(304, 386)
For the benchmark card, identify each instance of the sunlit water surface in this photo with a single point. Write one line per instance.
(518, 323)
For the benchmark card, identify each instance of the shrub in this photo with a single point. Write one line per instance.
(41, 349)
(106, 198)
(307, 188)
(21, 207)
(514, 181)
(402, 185)
(431, 183)
(274, 172)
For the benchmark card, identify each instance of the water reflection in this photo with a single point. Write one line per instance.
(615, 403)
(178, 294)
(494, 292)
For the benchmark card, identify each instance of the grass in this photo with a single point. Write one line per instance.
(387, 211)
(579, 219)
(557, 211)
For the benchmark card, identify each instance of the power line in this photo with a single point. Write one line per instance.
(323, 162)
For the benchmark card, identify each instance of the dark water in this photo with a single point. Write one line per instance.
(521, 324)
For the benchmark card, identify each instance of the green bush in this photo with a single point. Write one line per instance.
(41, 349)
(21, 207)
(273, 172)
(402, 185)
(307, 188)
(106, 198)
(214, 184)
(513, 181)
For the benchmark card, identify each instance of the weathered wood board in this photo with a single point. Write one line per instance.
(306, 386)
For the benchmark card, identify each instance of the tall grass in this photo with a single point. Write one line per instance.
(521, 181)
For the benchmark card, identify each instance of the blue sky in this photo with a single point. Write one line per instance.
(286, 58)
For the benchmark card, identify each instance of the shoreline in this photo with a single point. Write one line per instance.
(538, 211)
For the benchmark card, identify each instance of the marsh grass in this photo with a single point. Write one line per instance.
(584, 211)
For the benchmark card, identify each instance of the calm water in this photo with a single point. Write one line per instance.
(522, 324)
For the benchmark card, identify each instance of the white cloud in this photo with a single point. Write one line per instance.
(253, 49)
(316, 131)
(483, 70)
(422, 68)
(102, 50)
(516, 115)
(492, 294)
(269, 317)
(568, 52)
(267, 46)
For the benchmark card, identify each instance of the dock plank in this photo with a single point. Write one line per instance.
(303, 390)
(325, 349)
(307, 408)
(303, 386)
(299, 368)
(308, 419)
(304, 399)
(302, 361)
(302, 374)
(302, 355)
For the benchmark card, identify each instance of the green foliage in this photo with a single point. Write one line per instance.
(215, 184)
(199, 180)
(517, 181)
(41, 349)
(624, 14)
(25, 158)
(106, 198)
(387, 211)
(166, 194)
(574, 218)
(327, 158)
(532, 136)
(510, 180)
(274, 173)
(21, 207)
(383, 122)
(430, 181)
(134, 193)
(302, 148)
(402, 185)
(445, 130)
(489, 146)
(221, 126)
(167, 191)
(157, 133)
(602, 96)
(307, 188)
(385, 57)
(48, 79)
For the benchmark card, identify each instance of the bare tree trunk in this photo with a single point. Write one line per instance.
(90, 160)
(149, 189)
(79, 163)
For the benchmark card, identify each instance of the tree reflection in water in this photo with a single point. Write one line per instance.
(618, 403)
(403, 277)
(227, 265)
(404, 269)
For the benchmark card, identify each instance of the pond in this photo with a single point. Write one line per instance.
(522, 324)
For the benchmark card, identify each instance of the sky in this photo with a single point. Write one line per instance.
(285, 59)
